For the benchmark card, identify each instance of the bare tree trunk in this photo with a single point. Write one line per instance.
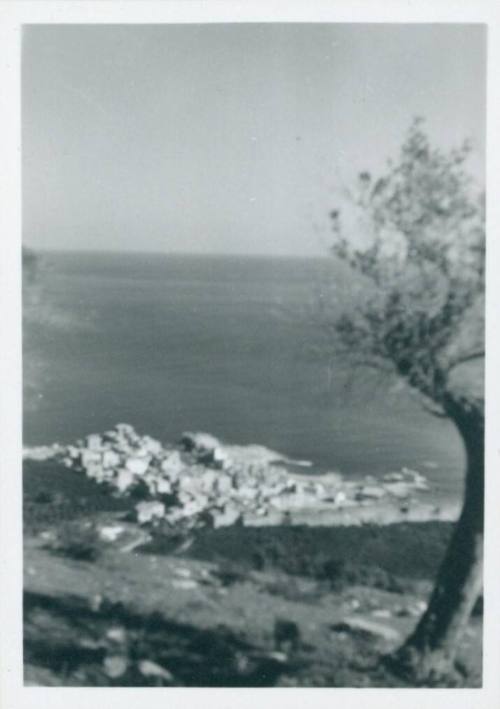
(428, 654)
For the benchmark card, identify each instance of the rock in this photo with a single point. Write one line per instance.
(148, 511)
(189, 484)
(94, 442)
(95, 602)
(366, 628)
(415, 610)
(163, 486)
(90, 644)
(124, 479)
(115, 665)
(280, 503)
(400, 489)
(199, 442)
(320, 490)
(40, 452)
(339, 497)
(110, 459)
(255, 454)
(111, 533)
(151, 445)
(421, 483)
(208, 480)
(148, 668)
(183, 572)
(126, 431)
(332, 479)
(381, 613)
(48, 535)
(410, 473)
(172, 466)
(421, 606)
(249, 481)
(194, 506)
(184, 584)
(94, 470)
(116, 634)
(134, 541)
(423, 486)
(220, 458)
(402, 611)
(90, 458)
(370, 492)
(393, 477)
(138, 466)
(230, 515)
(415, 478)
(224, 484)
(278, 656)
(247, 492)
(299, 500)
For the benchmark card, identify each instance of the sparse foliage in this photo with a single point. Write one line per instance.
(423, 266)
(419, 317)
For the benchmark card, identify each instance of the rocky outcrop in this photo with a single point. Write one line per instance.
(202, 481)
(368, 629)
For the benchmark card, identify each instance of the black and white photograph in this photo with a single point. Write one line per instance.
(253, 265)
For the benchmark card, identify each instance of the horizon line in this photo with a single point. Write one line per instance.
(208, 254)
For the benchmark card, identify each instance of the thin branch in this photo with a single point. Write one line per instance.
(463, 359)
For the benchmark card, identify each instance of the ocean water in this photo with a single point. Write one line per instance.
(217, 344)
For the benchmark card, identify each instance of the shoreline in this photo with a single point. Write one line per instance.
(379, 515)
(203, 478)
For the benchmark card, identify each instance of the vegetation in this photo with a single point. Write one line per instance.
(419, 318)
(91, 620)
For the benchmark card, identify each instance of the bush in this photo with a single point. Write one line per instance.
(78, 541)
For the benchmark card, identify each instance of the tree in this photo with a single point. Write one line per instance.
(420, 318)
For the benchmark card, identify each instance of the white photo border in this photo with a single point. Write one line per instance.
(13, 15)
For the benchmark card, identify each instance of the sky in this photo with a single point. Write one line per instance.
(233, 138)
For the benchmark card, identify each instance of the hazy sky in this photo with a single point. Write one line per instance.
(227, 138)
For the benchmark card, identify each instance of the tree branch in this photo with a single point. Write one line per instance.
(463, 359)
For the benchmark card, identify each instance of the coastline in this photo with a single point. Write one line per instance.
(203, 478)
(379, 515)
(358, 570)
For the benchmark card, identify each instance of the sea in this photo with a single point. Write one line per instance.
(223, 344)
